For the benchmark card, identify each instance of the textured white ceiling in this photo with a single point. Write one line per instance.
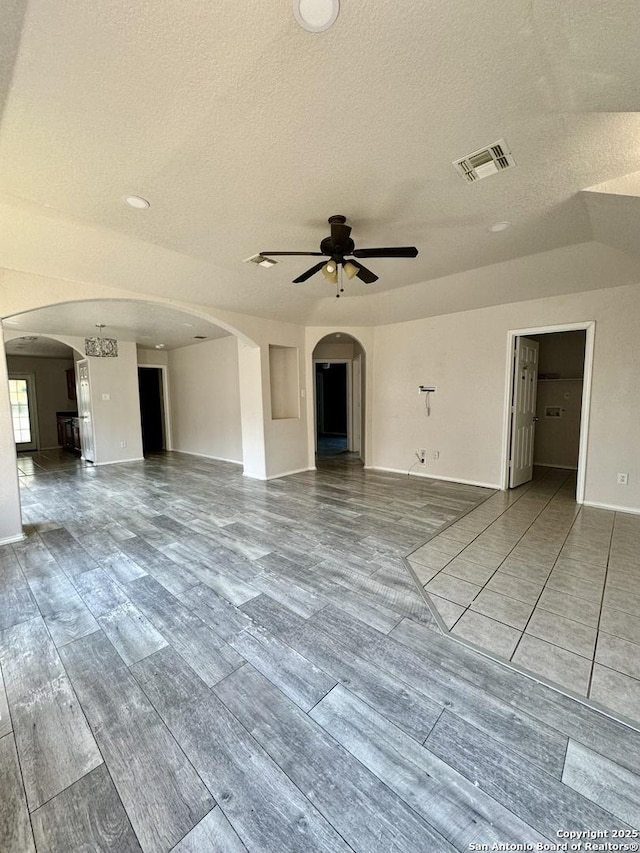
(246, 132)
(146, 324)
(39, 347)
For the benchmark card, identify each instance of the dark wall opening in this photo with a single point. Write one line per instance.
(151, 409)
(331, 402)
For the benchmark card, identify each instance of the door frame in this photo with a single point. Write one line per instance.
(166, 409)
(76, 367)
(349, 370)
(30, 379)
(588, 326)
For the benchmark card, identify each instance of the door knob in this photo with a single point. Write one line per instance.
(535, 418)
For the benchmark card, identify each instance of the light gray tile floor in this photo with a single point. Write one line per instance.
(569, 582)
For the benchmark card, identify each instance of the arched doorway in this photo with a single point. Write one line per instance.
(338, 388)
(42, 394)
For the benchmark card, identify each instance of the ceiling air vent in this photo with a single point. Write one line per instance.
(199, 337)
(260, 260)
(487, 161)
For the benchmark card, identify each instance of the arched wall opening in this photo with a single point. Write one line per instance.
(338, 364)
(42, 391)
(115, 396)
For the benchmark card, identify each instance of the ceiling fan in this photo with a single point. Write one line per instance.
(341, 250)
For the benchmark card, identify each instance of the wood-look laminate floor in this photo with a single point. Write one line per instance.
(194, 661)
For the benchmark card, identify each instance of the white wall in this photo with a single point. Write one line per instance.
(465, 355)
(116, 420)
(51, 392)
(285, 438)
(153, 356)
(10, 519)
(205, 399)
(557, 440)
(332, 349)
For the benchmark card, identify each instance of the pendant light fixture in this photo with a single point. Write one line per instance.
(99, 346)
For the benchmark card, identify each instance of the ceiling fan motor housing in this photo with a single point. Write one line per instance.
(339, 243)
(337, 248)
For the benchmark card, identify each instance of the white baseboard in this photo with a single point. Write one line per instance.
(288, 473)
(208, 456)
(19, 537)
(633, 510)
(117, 462)
(434, 477)
(553, 465)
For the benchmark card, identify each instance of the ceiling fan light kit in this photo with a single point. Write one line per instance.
(330, 272)
(349, 269)
(341, 251)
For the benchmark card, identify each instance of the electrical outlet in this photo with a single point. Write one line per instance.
(435, 454)
(421, 455)
(123, 444)
(623, 479)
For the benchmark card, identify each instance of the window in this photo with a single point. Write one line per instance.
(19, 399)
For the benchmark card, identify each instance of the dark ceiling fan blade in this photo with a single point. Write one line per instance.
(393, 252)
(268, 254)
(309, 273)
(364, 274)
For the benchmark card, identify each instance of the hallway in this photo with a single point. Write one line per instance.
(197, 661)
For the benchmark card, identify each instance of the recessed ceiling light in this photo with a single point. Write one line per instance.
(316, 16)
(499, 226)
(160, 346)
(137, 201)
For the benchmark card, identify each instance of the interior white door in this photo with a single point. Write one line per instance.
(84, 411)
(523, 411)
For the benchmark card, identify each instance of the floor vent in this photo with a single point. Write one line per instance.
(487, 161)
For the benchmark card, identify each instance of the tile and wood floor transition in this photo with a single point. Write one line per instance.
(551, 586)
(194, 661)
